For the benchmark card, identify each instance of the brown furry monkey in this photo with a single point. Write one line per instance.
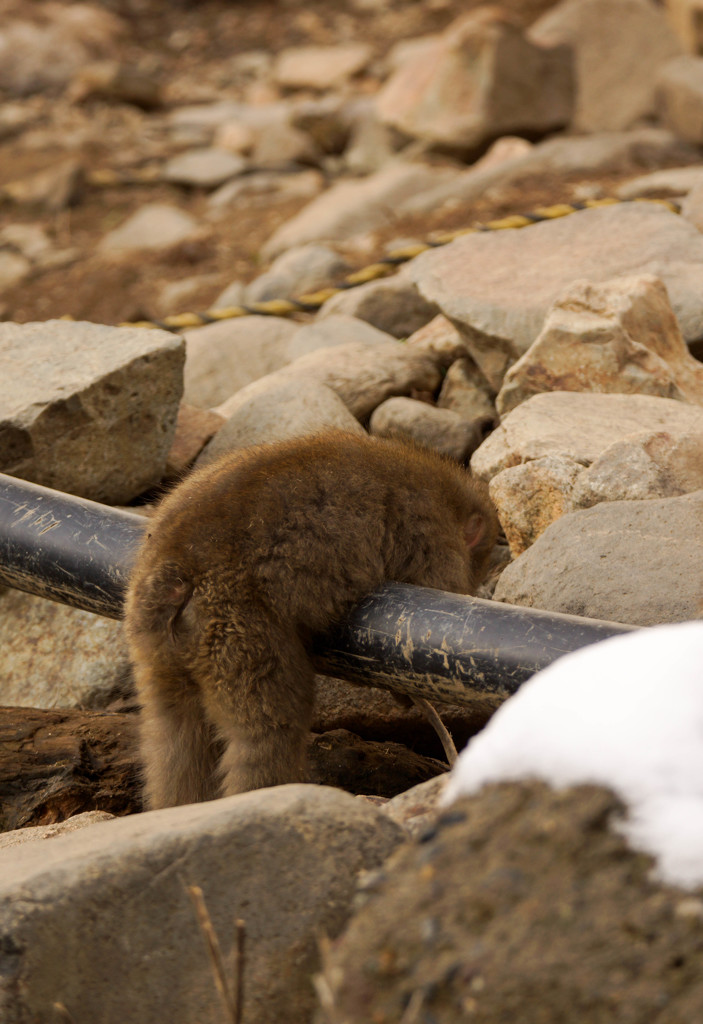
(251, 556)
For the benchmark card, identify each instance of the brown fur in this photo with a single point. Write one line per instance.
(251, 556)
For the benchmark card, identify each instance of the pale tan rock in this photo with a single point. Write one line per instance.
(234, 136)
(351, 207)
(686, 19)
(417, 808)
(614, 88)
(619, 336)
(692, 206)
(531, 496)
(20, 836)
(296, 272)
(653, 464)
(482, 78)
(671, 181)
(223, 357)
(276, 408)
(680, 97)
(88, 409)
(154, 226)
(204, 168)
(466, 391)
(393, 304)
(320, 67)
(578, 425)
(443, 430)
(53, 656)
(13, 269)
(441, 338)
(362, 375)
(53, 189)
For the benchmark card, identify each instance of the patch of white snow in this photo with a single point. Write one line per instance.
(626, 713)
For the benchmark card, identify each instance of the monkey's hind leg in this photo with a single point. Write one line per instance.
(261, 707)
(177, 744)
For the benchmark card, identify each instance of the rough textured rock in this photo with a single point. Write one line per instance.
(224, 357)
(53, 656)
(287, 855)
(392, 304)
(466, 391)
(88, 409)
(362, 375)
(653, 464)
(441, 429)
(274, 409)
(351, 207)
(531, 496)
(604, 35)
(481, 79)
(416, 808)
(637, 562)
(621, 336)
(154, 226)
(333, 331)
(441, 339)
(194, 428)
(578, 425)
(20, 836)
(680, 97)
(456, 926)
(497, 287)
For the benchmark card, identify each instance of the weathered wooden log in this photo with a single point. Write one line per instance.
(54, 764)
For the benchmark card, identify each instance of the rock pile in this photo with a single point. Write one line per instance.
(561, 362)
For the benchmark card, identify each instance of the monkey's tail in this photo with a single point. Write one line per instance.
(158, 598)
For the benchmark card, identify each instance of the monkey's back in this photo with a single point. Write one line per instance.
(311, 525)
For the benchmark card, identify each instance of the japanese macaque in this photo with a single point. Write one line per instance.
(250, 557)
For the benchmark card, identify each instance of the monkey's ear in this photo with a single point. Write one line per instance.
(474, 530)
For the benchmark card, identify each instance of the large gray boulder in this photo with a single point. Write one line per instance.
(101, 921)
(496, 287)
(639, 562)
(88, 409)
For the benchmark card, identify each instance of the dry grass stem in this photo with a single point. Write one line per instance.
(439, 727)
(232, 1001)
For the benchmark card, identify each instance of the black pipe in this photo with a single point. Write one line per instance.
(418, 641)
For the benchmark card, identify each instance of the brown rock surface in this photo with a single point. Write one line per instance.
(521, 904)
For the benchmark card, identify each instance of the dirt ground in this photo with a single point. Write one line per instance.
(189, 48)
